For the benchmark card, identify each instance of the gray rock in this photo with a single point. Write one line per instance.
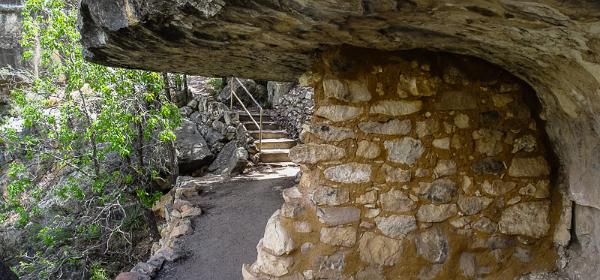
(431, 213)
(393, 127)
(442, 143)
(445, 167)
(439, 191)
(192, 150)
(339, 236)
(471, 205)
(368, 150)
(432, 245)
(277, 239)
(272, 265)
(427, 127)
(338, 113)
(314, 153)
(396, 108)
(348, 91)
(335, 216)
(330, 196)
(488, 166)
(484, 224)
(275, 90)
(526, 143)
(529, 167)
(349, 173)
(526, 218)
(395, 175)
(396, 226)
(396, 201)
(488, 141)
(407, 150)
(379, 250)
(329, 133)
(231, 160)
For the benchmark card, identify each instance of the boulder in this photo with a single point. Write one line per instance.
(192, 150)
(230, 161)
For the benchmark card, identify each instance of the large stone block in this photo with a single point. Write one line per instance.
(379, 250)
(393, 127)
(396, 108)
(349, 173)
(396, 226)
(339, 236)
(314, 153)
(277, 238)
(527, 218)
(338, 113)
(335, 216)
(406, 150)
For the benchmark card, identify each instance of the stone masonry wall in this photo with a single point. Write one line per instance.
(417, 166)
(294, 108)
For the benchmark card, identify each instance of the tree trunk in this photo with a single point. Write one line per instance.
(173, 162)
(150, 220)
(167, 86)
(186, 90)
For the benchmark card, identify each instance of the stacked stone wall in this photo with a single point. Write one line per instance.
(417, 166)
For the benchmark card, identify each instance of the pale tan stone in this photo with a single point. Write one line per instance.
(396, 108)
(368, 149)
(314, 153)
(379, 250)
(338, 113)
(339, 236)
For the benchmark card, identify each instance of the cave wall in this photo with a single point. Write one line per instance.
(417, 165)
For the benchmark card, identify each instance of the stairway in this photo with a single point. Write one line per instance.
(276, 145)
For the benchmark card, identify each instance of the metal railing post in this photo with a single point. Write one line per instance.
(260, 128)
(232, 94)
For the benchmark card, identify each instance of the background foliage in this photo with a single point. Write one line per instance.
(91, 140)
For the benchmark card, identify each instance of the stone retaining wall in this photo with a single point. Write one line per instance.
(293, 107)
(417, 166)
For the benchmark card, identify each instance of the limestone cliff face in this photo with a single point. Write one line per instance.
(554, 46)
(9, 42)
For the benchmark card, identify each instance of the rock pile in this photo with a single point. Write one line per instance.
(416, 168)
(177, 209)
(210, 128)
(293, 105)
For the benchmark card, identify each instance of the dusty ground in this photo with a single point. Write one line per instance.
(235, 215)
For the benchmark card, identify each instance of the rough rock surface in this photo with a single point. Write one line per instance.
(192, 150)
(276, 42)
(231, 160)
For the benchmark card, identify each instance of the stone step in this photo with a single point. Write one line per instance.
(274, 155)
(268, 134)
(266, 125)
(244, 117)
(277, 143)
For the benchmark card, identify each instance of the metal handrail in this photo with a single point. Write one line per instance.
(233, 94)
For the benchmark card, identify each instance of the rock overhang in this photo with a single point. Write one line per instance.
(552, 45)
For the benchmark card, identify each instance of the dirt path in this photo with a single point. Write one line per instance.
(225, 237)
